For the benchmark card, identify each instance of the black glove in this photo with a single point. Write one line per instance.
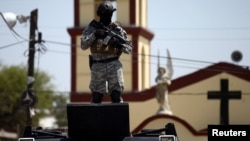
(116, 43)
(99, 33)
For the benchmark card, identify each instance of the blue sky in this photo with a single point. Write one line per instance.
(205, 31)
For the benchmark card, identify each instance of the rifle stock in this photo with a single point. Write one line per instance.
(110, 33)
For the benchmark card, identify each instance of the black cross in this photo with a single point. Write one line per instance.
(224, 95)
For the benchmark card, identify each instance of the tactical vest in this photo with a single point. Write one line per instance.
(98, 48)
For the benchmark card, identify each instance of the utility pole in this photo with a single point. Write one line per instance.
(32, 42)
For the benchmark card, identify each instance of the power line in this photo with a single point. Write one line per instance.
(204, 39)
(13, 44)
(201, 28)
(60, 43)
(150, 55)
(43, 48)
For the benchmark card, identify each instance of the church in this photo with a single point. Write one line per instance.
(218, 94)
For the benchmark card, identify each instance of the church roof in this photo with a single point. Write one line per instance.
(212, 70)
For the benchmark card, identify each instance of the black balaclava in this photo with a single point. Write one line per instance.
(106, 17)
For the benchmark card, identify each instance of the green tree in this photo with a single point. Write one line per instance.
(60, 110)
(13, 82)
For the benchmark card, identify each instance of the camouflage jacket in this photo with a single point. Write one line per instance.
(97, 49)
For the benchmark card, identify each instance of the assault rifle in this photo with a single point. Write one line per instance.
(110, 33)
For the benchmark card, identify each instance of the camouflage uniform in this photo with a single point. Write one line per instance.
(106, 71)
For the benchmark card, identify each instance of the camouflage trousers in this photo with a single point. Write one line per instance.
(106, 77)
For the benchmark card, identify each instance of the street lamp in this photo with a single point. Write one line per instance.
(10, 19)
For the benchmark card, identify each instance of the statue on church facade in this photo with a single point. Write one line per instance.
(163, 80)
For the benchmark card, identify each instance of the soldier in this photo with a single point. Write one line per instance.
(107, 40)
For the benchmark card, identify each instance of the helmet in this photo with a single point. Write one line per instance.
(104, 7)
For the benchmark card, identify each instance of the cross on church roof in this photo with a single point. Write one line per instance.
(224, 95)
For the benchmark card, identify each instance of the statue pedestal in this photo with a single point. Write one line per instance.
(167, 112)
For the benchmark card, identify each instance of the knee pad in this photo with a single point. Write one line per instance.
(96, 97)
(116, 96)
